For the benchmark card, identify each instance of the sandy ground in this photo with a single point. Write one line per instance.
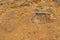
(19, 21)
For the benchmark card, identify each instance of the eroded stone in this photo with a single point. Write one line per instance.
(44, 17)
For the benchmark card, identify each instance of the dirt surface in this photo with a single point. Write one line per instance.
(29, 20)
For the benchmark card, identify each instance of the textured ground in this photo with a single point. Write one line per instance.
(29, 20)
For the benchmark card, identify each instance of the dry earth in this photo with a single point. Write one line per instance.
(29, 20)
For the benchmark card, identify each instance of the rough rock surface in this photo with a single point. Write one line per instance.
(29, 20)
